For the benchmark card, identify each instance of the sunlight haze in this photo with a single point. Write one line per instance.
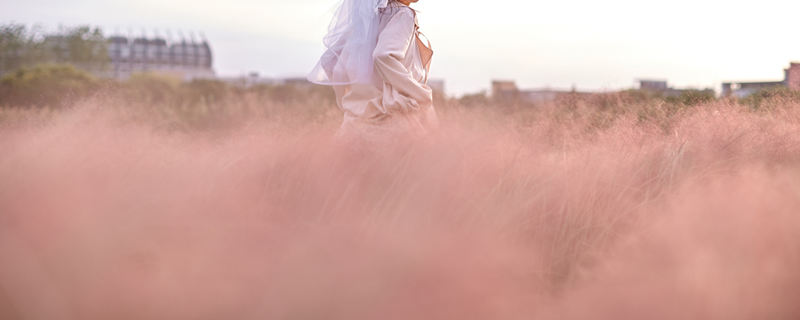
(593, 45)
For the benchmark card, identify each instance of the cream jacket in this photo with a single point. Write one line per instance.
(403, 91)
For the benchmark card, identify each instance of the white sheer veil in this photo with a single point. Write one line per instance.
(351, 39)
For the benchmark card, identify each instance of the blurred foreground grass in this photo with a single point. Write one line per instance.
(154, 199)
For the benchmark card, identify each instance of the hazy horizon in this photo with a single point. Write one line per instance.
(589, 45)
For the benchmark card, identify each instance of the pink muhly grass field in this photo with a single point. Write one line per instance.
(115, 212)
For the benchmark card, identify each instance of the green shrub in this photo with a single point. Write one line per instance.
(294, 93)
(693, 97)
(205, 91)
(767, 97)
(46, 85)
(21, 46)
(475, 100)
(642, 96)
(151, 88)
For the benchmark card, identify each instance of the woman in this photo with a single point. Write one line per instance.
(378, 67)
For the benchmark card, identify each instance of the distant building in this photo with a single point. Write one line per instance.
(653, 85)
(792, 76)
(540, 95)
(744, 89)
(438, 87)
(791, 80)
(184, 59)
(505, 91)
(662, 87)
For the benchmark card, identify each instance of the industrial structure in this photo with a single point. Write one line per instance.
(791, 80)
(505, 91)
(653, 85)
(438, 87)
(185, 59)
(662, 87)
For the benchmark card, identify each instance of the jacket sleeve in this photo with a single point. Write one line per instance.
(393, 43)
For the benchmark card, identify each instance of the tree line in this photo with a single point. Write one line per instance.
(21, 46)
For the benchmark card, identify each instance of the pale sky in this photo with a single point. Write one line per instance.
(594, 45)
